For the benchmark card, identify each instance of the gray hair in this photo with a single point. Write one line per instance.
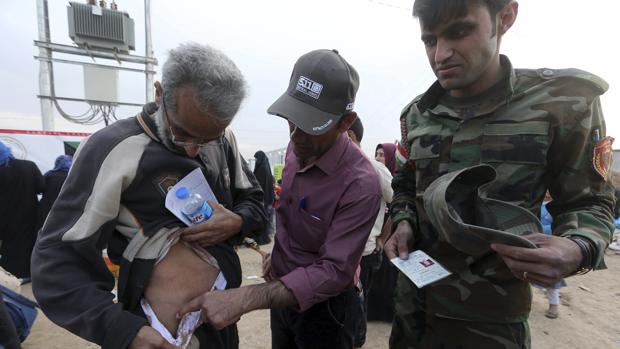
(219, 84)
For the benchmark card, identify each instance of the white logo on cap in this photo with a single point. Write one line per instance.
(319, 128)
(309, 87)
(350, 106)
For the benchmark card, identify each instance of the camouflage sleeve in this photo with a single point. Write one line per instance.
(404, 183)
(580, 180)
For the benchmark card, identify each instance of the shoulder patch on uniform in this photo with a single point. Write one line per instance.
(602, 157)
(547, 74)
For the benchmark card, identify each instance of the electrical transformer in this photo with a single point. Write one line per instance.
(96, 27)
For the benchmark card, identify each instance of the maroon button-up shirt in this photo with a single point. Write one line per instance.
(326, 212)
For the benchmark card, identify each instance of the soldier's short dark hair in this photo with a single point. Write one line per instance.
(433, 12)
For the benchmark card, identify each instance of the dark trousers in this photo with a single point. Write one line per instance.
(427, 331)
(414, 328)
(329, 324)
(210, 338)
(369, 265)
(8, 333)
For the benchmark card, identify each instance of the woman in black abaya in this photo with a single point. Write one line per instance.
(262, 172)
(20, 182)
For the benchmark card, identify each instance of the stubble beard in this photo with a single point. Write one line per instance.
(164, 134)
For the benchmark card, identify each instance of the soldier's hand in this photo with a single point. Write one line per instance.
(219, 308)
(555, 258)
(379, 244)
(149, 338)
(222, 225)
(398, 244)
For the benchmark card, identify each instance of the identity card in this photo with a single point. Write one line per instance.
(421, 268)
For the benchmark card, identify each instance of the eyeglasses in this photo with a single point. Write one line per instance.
(180, 142)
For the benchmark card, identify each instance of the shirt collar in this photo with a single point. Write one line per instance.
(329, 161)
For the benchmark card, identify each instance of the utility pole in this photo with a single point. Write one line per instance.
(105, 45)
(150, 94)
(45, 81)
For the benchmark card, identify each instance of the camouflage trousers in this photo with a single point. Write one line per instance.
(414, 328)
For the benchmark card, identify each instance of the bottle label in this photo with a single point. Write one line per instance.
(197, 218)
(202, 214)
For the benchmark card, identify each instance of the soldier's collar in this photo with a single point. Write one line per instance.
(512, 77)
(431, 97)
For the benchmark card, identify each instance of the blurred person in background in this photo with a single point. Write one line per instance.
(264, 176)
(380, 297)
(385, 153)
(20, 183)
(54, 179)
(552, 292)
(372, 256)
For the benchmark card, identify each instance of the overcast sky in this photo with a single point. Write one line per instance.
(265, 38)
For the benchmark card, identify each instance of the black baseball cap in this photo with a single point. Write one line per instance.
(321, 90)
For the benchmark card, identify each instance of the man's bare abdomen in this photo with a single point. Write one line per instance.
(178, 278)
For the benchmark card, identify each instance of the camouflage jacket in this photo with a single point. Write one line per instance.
(539, 129)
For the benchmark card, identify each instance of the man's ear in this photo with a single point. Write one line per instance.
(346, 121)
(159, 93)
(507, 16)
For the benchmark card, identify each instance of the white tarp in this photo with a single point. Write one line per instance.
(41, 147)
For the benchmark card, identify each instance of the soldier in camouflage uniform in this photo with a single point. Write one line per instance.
(540, 129)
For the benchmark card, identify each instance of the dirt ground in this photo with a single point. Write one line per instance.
(589, 315)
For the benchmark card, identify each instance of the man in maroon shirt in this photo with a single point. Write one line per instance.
(330, 199)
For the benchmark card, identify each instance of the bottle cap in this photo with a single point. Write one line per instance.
(182, 193)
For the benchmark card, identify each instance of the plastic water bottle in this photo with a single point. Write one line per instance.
(195, 208)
